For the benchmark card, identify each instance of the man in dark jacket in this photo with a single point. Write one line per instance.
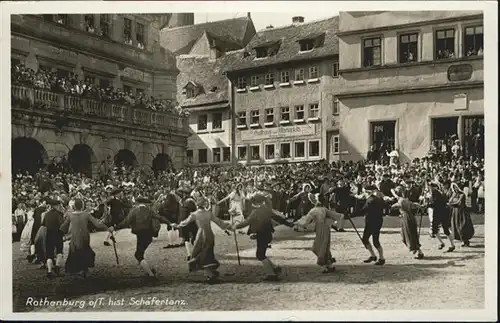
(342, 201)
(373, 154)
(386, 186)
(441, 215)
(187, 205)
(117, 210)
(140, 220)
(373, 210)
(261, 227)
(52, 221)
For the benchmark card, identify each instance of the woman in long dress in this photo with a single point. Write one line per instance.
(236, 199)
(323, 219)
(304, 204)
(409, 227)
(461, 224)
(80, 256)
(203, 257)
(25, 240)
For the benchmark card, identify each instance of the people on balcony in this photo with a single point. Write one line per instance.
(72, 84)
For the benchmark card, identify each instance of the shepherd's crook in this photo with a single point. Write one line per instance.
(114, 247)
(237, 249)
(421, 217)
(352, 223)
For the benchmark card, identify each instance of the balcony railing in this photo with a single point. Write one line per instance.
(110, 112)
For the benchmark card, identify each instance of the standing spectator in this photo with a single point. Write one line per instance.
(478, 145)
(393, 156)
(456, 150)
(373, 154)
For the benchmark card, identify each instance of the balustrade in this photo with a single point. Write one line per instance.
(51, 101)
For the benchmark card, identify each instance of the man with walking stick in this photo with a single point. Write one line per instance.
(261, 229)
(140, 220)
(373, 210)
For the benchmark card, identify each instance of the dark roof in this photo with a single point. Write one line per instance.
(289, 49)
(207, 74)
(180, 40)
(222, 42)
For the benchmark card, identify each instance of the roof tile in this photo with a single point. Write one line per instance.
(208, 74)
(289, 49)
(180, 40)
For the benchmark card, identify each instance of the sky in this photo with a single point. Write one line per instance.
(263, 19)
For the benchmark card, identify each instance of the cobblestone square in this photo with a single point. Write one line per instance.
(440, 281)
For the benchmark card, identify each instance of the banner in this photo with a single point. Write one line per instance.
(280, 132)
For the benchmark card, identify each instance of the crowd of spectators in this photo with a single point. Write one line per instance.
(71, 84)
(216, 182)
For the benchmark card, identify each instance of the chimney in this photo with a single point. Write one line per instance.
(297, 19)
(270, 27)
(249, 15)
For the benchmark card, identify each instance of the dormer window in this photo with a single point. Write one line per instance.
(261, 52)
(190, 93)
(191, 90)
(267, 49)
(311, 43)
(306, 45)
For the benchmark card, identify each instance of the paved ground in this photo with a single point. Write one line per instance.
(441, 281)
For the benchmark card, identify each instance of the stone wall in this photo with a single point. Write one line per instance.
(322, 93)
(350, 46)
(101, 143)
(412, 112)
(354, 21)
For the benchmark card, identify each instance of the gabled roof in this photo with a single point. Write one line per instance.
(180, 40)
(208, 74)
(194, 84)
(289, 49)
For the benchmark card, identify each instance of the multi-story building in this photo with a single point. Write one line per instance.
(282, 93)
(409, 79)
(203, 50)
(119, 51)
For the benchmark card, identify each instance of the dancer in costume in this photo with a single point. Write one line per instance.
(81, 257)
(203, 256)
(342, 197)
(236, 200)
(140, 220)
(261, 229)
(461, 223)
(52, 221)
(373, 210)
(37, 222)
(441, 216)
(304, 205)
(409, 227)
(117, 210)
(323, 219)
(25, 240)
(188, 233)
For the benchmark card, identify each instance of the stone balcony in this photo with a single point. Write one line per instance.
(29, 99)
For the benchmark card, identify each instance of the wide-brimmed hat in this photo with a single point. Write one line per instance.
(116, 191)
(258, 200)
(371, 188)
(53, 202)
(143, 199)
